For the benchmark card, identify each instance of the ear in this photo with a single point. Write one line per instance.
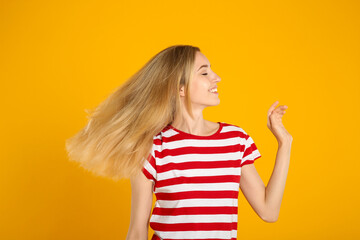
(182, 92)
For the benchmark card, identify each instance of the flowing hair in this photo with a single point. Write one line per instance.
(119, 134)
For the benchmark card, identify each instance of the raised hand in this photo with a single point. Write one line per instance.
(275, 124)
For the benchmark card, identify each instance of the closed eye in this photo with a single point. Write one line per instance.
(204, 74)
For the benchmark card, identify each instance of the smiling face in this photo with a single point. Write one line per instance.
(204, 80)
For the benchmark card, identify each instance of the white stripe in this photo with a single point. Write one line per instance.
(208, 218)
(251, 156)
(169, 133)
(202, 143)
(150, 168)
(198, 202)
(157, 148)
(208, 157)
(230, 129)
(197, 234)
(199, 187)
(198, 173)
(242, 130)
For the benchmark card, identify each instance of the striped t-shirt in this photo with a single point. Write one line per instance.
(196, 182)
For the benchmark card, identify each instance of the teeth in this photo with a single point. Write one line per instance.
(213, 90)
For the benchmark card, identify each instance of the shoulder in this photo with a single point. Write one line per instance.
(165, 134)
(233, 127)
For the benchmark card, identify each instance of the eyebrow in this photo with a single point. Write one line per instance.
(204, 66)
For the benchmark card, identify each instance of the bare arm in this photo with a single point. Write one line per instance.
(266, 201)
(141, 203)
(275, 189)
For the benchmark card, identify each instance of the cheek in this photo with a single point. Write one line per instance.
(199, 86)
(198, 91)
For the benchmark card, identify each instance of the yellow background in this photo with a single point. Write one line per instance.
(58, 58)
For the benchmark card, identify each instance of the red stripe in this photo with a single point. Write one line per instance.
(249, 150)
(200, 150)
(151, 160)
(249, 161)
(201, 239)
(223, 135)
(241, 147)
(198, 239)
(155, 237)
(197, 194)
(202, 179)
(194, 210)
(219, 226)
(198, 165)
(243, 135)
(147, 174)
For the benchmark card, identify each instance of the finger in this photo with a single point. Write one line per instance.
(277, 114)
(278, 110)
(282, 112)
(281, 108)
(272, 107)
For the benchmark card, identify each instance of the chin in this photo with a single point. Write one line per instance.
(215, 103)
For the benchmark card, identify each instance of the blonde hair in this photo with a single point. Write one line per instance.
(119, 134)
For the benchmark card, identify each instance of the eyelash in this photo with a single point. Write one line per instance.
(204, 74)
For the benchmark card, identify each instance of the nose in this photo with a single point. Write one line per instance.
(217, 78)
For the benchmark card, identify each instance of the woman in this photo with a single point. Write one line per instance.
(152, 130)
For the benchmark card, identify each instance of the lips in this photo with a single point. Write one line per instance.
(213, 91)
(213, 88)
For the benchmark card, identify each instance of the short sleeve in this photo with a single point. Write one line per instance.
(250, 151)
(149, 167)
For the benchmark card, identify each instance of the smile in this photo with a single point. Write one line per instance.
(214, 90)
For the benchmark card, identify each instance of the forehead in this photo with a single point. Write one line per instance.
(200, 59)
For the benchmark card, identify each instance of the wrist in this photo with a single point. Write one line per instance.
(284, 142)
